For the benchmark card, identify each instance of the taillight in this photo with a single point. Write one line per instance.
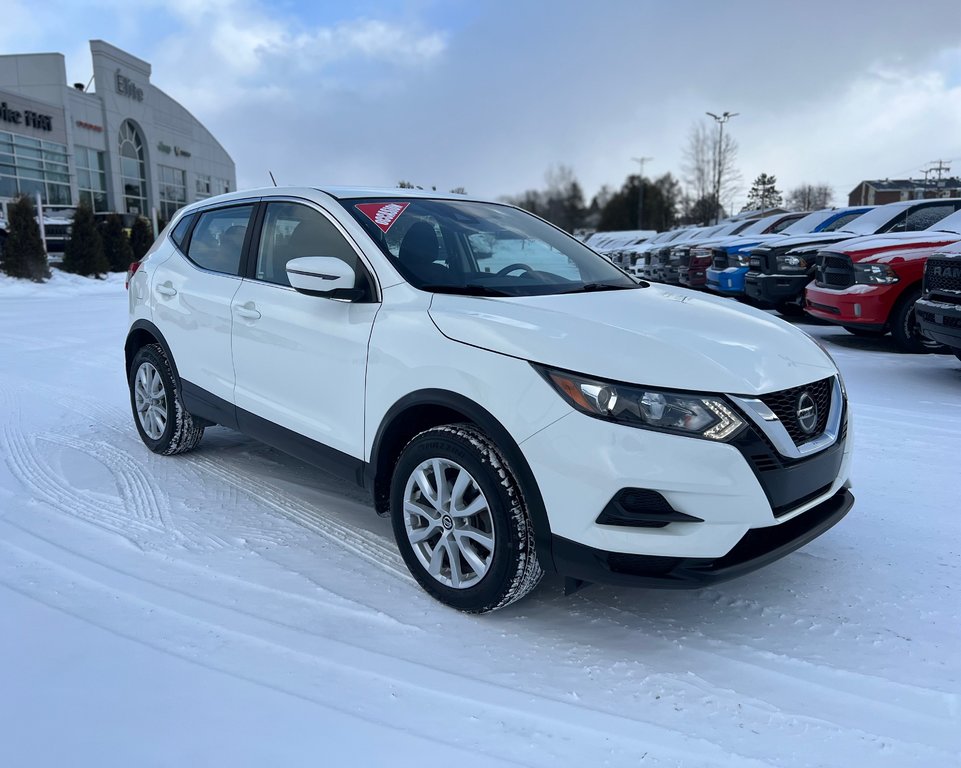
(131, 271)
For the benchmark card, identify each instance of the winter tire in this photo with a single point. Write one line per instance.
(905, 329)
(460, 520)
(164, 424)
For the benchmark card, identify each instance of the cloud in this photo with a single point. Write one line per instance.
(489, 96)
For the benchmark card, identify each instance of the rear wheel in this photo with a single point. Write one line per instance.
(460, 520)
(905, 328)
(164, 424)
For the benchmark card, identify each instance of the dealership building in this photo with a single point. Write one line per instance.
(118, 142)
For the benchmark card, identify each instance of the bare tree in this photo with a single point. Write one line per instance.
(707, 160)
(810, 197)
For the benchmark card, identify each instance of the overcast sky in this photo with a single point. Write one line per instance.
(489, 95)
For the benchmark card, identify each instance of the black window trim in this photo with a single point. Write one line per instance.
(197, 213)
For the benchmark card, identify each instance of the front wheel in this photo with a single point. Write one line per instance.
(905, 328)
(164, 424)
(460, 520)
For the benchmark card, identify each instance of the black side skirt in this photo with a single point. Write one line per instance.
(204, 405)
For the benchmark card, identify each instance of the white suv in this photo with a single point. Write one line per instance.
(513, 401)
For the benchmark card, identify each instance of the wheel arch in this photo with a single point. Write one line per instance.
(427, 408)
(142, 333)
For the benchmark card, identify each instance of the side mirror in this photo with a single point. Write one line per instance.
(323, 276)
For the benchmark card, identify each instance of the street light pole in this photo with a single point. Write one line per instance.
(640, 188)
(720, 120)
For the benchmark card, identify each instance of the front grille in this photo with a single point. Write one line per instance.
(720, 259)
(834, 271)
(663, 256)
(942, 274)
(758, 263)
(785, 404)
(930, 317)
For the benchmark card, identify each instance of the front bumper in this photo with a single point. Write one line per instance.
(729, 281)
(776, 288)
(736, 491)
(866, 306)
(940, 321)
(693, 277)
(757, 548)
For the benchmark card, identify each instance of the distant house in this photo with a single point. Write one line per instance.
(883, 191)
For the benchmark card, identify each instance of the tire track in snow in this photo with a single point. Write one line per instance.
(845, 699)
(396, 693)
(40, 479)
(141, 497)
(369, 546)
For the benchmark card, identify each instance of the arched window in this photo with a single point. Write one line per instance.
(133, 170)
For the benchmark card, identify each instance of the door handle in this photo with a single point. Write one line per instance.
(166, 289)
(247, 311)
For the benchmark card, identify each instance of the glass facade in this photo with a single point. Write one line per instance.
(173, 191)
(91, 178)
(204, 186)
(28, 166)
(133, 172)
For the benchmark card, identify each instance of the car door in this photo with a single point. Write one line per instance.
(301, 361)
(192, 291)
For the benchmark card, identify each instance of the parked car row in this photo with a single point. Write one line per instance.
(858, 267)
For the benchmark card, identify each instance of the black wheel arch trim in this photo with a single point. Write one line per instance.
(484, 419)
(129, 350)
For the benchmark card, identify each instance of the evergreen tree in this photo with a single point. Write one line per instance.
(116, 244)
(764, 194)
(23, 254)
(84, 252)
(141, 238)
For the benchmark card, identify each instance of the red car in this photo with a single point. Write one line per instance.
(870, 284)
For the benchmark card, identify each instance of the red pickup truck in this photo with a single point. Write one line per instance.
(870, 284)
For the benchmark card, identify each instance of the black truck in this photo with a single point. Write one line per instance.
(938, 311)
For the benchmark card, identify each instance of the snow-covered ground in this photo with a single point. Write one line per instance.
(234, 607)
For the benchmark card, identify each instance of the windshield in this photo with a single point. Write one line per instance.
(810, 223)
(484, 249)
(757, 227)
(950, 223)
(873, 221)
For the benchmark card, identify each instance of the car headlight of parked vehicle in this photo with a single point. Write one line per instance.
(681, 413)
(791, 262)
(874, 274)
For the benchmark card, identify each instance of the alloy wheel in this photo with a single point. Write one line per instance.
(448, 522)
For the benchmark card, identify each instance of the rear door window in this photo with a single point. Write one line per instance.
(217, 242)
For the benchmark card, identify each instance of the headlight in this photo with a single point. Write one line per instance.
(739, 259)
(680, 413)
(790, 262)
(874, 274)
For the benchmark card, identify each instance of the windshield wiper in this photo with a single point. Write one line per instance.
(591, 287)
(471, 289)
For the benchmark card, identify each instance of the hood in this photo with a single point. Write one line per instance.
(658, 336)
(877, 247)
(812, 239)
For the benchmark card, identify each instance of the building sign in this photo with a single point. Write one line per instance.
(165, 148)
(27, 118)
(89, 126)
(180, 152)
(127, 87)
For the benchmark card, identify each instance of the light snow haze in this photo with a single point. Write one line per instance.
(489, 95)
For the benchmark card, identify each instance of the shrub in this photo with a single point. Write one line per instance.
(116, 244)
(23, 253)
(84, 252)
